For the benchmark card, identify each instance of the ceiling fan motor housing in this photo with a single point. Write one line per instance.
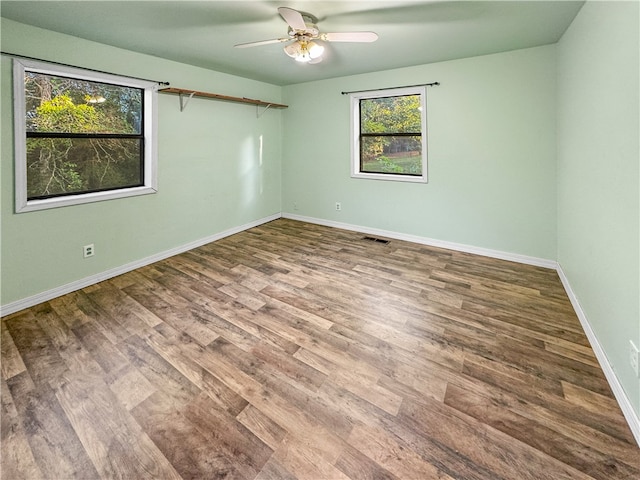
(311, 31)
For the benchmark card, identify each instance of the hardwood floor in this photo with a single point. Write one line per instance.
(298, 351)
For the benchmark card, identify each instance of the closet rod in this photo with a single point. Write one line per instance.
(216, 96)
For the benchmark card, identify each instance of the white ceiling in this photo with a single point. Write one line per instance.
(203, 33)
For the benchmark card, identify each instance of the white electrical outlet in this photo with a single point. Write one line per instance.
(88, 251)
(633, 357)
(338, 206)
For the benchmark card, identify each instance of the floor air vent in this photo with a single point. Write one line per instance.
(374, 239)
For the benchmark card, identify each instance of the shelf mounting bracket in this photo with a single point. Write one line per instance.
(260, 113)
(184, 100)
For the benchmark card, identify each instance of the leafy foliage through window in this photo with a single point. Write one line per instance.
(81, 135)
(387, 135)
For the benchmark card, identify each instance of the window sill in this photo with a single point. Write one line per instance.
(34, 205)
(391, 177)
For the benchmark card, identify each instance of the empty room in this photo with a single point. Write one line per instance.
(320, 239)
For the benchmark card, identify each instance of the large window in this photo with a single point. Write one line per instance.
(388, 135)
(81, 136)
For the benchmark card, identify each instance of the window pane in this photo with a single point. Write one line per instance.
(390, 114)
(69, 105)
(391, 154)
(58, 166)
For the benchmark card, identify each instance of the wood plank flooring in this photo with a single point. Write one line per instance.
(295, 351)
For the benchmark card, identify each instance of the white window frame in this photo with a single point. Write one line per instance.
(355, 133)
(150, 180)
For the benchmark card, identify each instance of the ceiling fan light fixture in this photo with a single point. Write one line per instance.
(304, 51)
(315, 50)
(293, 49)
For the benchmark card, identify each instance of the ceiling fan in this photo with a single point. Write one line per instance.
(303, 34)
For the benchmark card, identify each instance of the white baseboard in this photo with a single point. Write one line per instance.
(513, 257)
(99, 277)
(623, 400)
(114, 272)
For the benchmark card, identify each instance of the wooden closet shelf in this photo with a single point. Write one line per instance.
(226, 98)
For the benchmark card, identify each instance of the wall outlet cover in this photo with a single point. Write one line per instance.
(88, 251)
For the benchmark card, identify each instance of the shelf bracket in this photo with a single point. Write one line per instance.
(260, 113)
(184, 100)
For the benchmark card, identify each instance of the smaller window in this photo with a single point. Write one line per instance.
(81, 136)
(388, 135)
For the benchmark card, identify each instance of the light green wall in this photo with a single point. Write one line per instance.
(492, 147)
(211, 176)
(598, 175)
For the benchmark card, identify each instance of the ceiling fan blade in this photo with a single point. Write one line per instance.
(349, 37)
(261, 42)
(293, 18)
